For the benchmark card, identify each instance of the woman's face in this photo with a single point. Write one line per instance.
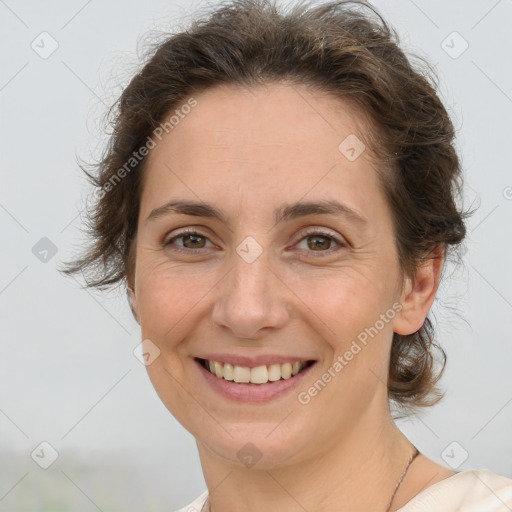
(268, 281)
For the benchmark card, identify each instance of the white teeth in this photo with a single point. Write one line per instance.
(228, 372)
(218, 368)
(286, 370)
(274, 372)
(257, 375)
(241, 374)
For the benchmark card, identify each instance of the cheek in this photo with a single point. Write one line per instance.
(345, 302)
(168, 301)
(169, 297)
(346, 307)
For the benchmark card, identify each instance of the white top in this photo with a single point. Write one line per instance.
(466, 491)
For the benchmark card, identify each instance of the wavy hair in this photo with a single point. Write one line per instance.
(344, 48)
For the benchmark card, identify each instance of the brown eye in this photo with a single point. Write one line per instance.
(195, 241)
(191, 241)
(318, 242)
(321, 243)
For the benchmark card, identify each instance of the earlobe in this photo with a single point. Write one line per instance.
(418, 295)
(133, 302)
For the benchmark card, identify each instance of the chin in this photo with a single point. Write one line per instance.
(254, 445)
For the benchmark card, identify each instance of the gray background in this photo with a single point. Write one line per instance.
(68, 373)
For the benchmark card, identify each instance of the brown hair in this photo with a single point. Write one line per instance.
(344, 48)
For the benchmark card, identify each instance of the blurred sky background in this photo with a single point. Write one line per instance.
(68, 375)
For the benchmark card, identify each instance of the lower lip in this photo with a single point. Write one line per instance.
(253, 392)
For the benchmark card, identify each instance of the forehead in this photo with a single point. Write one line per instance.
(273, 143)
(272, 114)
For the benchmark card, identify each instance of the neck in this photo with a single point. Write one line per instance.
(357, 472)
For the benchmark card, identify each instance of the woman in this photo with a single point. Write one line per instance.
(279, 196)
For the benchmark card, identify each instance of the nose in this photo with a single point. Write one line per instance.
(253, 300)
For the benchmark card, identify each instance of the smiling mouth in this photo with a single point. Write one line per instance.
(257, 375)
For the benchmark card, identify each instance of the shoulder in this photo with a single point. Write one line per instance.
(466, 491)
(196, 505)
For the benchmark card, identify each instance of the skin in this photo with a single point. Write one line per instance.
(248, 151)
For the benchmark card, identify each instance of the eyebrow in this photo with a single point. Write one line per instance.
(283, 213)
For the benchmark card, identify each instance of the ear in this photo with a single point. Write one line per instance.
(418, 294)
(133, 301)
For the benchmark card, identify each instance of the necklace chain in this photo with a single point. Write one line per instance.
(411, 458)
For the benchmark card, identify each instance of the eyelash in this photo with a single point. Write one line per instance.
(310, 233)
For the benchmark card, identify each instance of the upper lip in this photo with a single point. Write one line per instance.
(252, 361)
